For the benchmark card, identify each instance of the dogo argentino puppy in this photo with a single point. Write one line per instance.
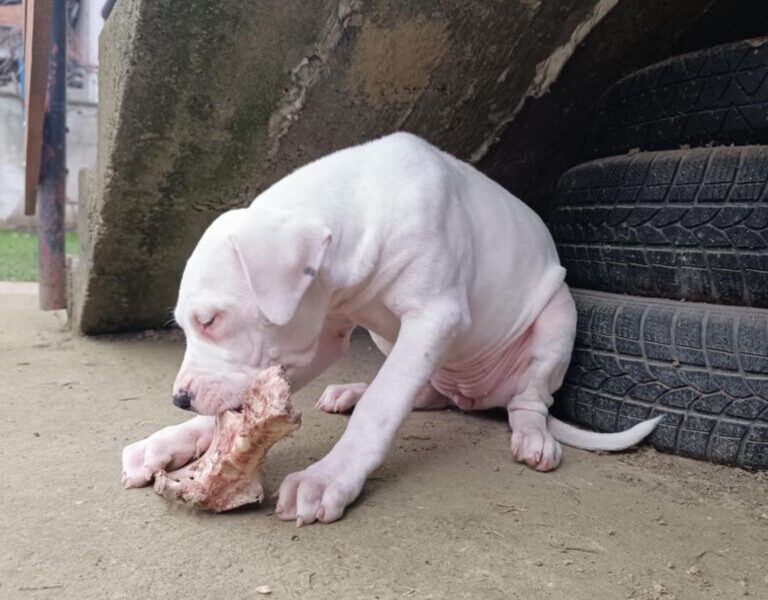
(457, 281)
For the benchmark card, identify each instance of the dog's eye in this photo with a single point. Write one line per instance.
(205, 321)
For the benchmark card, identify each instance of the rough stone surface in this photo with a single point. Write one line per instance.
(204, 104)
(186, 93)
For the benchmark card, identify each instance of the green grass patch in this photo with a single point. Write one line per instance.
(18, 254)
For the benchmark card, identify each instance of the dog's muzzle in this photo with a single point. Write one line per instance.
(183, 399)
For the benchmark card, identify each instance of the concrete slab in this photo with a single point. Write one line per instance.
(448, 515)
(204, 104)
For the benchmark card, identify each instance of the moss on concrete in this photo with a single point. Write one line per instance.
(187, 91)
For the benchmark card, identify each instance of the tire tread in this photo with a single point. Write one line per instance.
(704, 367)
(714, 96)
(678, 224)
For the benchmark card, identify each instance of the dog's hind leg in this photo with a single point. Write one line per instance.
(340, 398)
(553, 332)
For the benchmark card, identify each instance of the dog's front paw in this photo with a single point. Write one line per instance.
(315, 494)
(167, 449)
(142, 459)
(341, 398)
(535, 446)
(135, 474)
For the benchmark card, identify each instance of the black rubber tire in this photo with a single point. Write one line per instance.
(678, 224)
(704, 367)
(713, 96)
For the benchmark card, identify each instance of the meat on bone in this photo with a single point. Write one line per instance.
(229, 474)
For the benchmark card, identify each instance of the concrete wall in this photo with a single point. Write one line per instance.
(204, 104)
(11, 159)
(81, 153)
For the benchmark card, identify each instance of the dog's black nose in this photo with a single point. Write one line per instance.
(183, 399)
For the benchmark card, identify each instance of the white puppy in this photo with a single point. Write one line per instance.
(457, 281)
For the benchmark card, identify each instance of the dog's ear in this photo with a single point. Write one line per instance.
(281, 255)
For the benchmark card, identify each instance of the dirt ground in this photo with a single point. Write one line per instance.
(449, 515)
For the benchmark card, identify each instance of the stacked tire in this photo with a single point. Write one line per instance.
(665, 240)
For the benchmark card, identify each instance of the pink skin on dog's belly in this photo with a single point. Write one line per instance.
(491, 380)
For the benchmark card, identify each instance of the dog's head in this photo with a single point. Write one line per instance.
(250, 298)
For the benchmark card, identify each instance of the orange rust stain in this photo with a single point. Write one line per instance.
(394, 64)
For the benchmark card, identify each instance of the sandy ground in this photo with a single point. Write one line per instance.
(449, 515)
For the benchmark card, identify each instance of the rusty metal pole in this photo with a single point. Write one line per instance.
(52, 198)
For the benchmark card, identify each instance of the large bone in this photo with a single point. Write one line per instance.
(229, 474)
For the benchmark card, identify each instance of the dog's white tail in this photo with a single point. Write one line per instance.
(590, 440)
